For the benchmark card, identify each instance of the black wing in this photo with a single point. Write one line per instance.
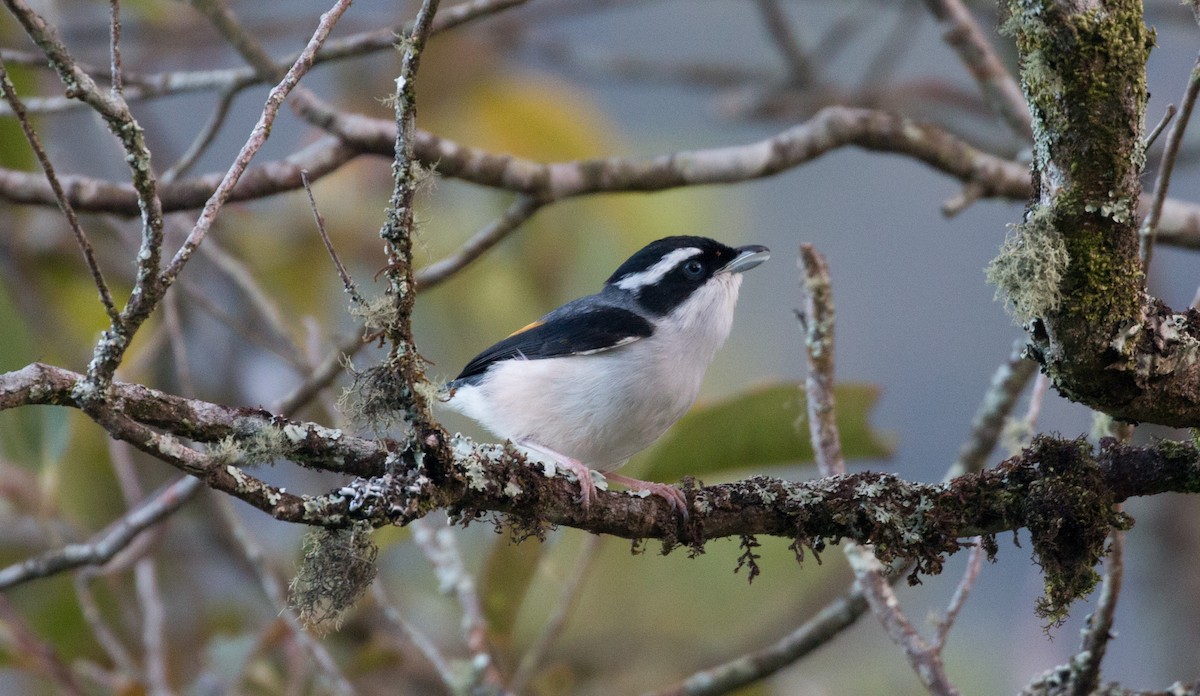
(591, 331)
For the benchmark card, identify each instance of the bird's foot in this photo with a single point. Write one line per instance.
(587, 487)
(674, 497)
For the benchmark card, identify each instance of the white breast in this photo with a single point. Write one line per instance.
(603, 408)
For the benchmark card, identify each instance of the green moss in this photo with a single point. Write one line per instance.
(1069, 511)
(1083, 73)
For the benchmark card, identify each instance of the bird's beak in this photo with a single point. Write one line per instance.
(748, 257)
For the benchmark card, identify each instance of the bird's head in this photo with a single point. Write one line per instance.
(686, 276)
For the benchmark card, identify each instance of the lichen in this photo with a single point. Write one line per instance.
(337, 568)
(1029, 270)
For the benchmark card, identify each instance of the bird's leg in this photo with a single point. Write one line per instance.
(674, 497)
(587, 487)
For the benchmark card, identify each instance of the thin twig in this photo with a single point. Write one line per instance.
(440, 548)
(257, 138)
(889, 54)
(264, 305)
(153, 614)
(925, 662)
(1162, 180)
(110, 349)
(959, 598)
(1168, 114)
(347, 281)
(173, 321)
(321, 376)
(68, 211)
(116, 82)
(779, 29)
(818, 385)
(154, 618)
(818, 319)
(204, 137)
(153, 85)
(397, 231)
(223, 19)
(422, 642)
(1018, 432)
(108, 641)
(962, 33)
(1008, 382)
(521, 209)
(568, 595)
(1086, 679)
(102, 547)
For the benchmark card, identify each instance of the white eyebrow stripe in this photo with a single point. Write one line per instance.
(656, 272)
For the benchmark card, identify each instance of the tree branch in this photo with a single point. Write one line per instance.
(1061, 489)
(1072, 269)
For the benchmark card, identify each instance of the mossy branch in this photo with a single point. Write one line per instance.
(1063, 491)
(1071, 268)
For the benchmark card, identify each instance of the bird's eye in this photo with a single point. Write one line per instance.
(693, 269)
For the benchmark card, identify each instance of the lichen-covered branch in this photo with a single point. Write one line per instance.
(1071, 268)
(1063, 491)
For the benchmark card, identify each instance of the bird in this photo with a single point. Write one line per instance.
(599, 379)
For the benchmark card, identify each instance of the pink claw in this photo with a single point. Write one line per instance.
(674, 497)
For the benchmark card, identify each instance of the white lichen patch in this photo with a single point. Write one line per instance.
(237, 474)
(171, 447)
(329, 434)
(1126, 336)
(643, 493)
(295, 433)
(1117, 209)
(476, 474)
(869, 489)
(512, 490)
(802, 495)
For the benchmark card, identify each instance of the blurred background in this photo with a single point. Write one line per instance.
(555, 81)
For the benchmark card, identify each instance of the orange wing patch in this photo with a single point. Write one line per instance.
(525, 328)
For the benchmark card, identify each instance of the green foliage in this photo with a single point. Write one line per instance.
(759, 428)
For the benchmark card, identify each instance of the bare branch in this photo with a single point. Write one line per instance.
(492, 234)
(970, 575)
(397, 231)
(1007, 384)
(869, 573)
(440, 548)
(347, 281)
(818, 321)
(569, 593)
(962, 33)
(108, 543)
(1162, 181)
(89, 254)
(256, 140)
(799, 68)
(422, 642)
